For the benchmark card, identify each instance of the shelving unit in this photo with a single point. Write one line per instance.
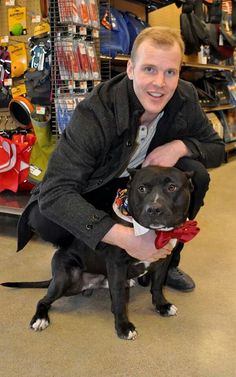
(14, 203)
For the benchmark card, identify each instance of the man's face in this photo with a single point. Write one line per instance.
(155, 74)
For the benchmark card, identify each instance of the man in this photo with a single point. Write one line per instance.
(145, 117)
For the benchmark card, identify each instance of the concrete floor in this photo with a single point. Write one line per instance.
(80, 342)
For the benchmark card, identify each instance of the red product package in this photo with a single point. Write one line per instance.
(91, 52)
(84, 61)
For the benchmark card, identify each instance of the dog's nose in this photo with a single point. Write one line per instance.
(154, 209)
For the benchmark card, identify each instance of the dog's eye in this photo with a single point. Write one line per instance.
(172, 187)
(142, 189)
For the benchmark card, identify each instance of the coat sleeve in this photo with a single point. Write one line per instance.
(73, 162)
(201, 139)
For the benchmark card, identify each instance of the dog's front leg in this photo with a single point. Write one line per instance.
(162, 306)
(117, 279)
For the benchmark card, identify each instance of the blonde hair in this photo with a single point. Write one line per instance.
(160, 36)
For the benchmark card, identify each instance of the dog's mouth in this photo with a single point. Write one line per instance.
(166, 227)
(160, 227)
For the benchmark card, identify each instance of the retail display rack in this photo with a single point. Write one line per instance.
(75, 56)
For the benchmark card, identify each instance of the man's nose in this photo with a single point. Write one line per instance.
(159, 80)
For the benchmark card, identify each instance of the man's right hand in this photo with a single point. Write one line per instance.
(139, 247)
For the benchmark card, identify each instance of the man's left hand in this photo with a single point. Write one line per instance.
(167, 155)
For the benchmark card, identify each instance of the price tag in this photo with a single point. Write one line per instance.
(96, 82)
(70, 104)
(4, 39)
(221, 40)
(8, 82)
(83, 85)
(72, 28)
(95, 33)
(10, 2)
(36, 19)
(83, 30)
(40, 110)
(18, 90)
(71, 84)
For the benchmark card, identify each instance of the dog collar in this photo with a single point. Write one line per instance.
(121, 209)
(184, 233)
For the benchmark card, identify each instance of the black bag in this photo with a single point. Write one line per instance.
(38, 86)
(214, 11)
(5, 97)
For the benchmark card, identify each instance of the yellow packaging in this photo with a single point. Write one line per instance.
(17, 21)
(42, 28)
(18, 90)
(18, 56)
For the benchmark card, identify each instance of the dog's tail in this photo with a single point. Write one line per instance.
(27, 284)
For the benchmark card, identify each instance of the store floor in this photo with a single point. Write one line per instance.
(80, 342)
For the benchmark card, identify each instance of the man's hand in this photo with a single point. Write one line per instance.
(139, 247)
(167, 155)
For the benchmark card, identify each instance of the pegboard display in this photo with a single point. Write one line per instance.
(75, 56)
(32, 14)
(33, 18)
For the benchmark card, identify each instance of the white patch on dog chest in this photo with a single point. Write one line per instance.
(145, 264)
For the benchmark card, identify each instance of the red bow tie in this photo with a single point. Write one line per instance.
(183, 233)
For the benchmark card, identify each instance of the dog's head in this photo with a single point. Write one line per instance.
(159, 197)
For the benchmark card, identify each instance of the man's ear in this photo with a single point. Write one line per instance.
(129, 70)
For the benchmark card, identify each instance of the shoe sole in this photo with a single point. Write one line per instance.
(179, 290)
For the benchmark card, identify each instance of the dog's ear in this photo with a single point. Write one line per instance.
(189, 175)
(132, 172)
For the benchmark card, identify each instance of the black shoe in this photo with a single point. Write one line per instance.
(179, 280)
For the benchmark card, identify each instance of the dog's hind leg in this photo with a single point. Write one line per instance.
(65, 275)
(56, 289)
(117, 279)
(162, 306)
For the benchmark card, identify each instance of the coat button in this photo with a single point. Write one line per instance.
(89, 226)
(128, 143)
(100, 181)
(96, 217)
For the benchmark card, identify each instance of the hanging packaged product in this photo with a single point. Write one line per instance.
(14, 161)
(17, 21)
(20, 109)
(43, 146)
(94, 66)
(18, 59)
(18, 90)
(42, 29)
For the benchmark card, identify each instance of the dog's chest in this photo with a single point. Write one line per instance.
(138, 268)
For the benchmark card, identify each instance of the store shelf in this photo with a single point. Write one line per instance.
(229, 68)
(230, 146)
(218, 108)
(13, 203)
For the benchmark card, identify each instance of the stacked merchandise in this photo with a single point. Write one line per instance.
(118, 30)
(80, 12)
(77, 59)
(76, 68)
(5, 71)
(65, 106)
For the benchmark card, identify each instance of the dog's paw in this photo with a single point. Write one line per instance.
(39, 324)
(127, 331)
(131, 283)
(167, 310)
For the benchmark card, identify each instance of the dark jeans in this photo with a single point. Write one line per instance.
(103, 198)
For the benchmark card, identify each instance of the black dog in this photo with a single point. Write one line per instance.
(158, 198)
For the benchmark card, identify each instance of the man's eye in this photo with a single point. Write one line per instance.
(171, 72)
(142, 189)
(149, 69)
(172, 187)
